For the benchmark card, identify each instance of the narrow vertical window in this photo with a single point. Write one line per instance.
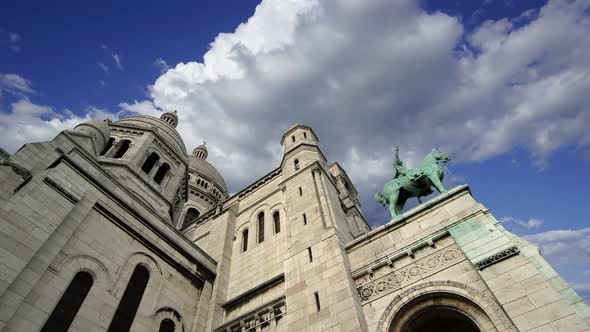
(300, 191)
(276, 217)
(310, 254)
(68, 306)
(130, 301)
(108, 146)
(167, 325)
(123, 147)
(296, 162)
(150, 162)
(161, 174)
(304, 219)
(304, 135)
(317, 301)
(293, 138)
(261, 227)
(245, 240)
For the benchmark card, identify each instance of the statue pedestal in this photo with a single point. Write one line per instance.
(452, 244)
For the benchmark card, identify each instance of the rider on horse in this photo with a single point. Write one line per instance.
(400, 170)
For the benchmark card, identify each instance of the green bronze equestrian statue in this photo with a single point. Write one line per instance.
(413, 182)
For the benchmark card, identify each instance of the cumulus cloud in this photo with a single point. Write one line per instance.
(367, 75)
(527, 224)
(15, 84)
(145, 107)
(162, 64)
(29, 122)
(564, 246)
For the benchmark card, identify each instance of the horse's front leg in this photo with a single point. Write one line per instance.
(393, 208)
(436, 183)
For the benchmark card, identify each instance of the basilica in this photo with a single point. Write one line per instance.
(116, 226)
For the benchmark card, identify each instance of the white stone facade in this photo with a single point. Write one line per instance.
(290, 252)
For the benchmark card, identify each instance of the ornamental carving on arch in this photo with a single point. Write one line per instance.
(410, 273)
(480, 298)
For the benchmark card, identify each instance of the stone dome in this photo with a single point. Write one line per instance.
(201, 151)
(99, 130)
(162, 127)
(171, 118)
(197, 163)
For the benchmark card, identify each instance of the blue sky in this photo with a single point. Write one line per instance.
(501, 85)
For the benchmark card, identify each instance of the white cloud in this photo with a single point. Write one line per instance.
(15, 84)
(145, 107)
(367, 75)
(118, 60)
(162, 64)
(565, 246)
(103, 67)
(527, 224)
(26, 122)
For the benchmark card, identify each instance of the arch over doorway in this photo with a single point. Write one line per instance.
(449, 301)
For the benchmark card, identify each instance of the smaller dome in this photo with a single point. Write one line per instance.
(201, 151)
(170, 118)
(99, 130)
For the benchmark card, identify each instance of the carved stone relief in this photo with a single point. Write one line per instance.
(481, 298)
(410, 273)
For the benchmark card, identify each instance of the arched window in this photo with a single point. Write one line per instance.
(276, 217)
(304, 135)
(296, 162)
(162, 171)
(150, 162)
(190, 216)
(130, 301)
(293, 138)
(66, 309)
(108, 146)
(123, 147)
(244, 240)
(261, 227)
(167, 325)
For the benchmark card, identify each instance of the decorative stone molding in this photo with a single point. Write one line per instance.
(408, 274)
(497, 257)
(70, 265)
(169, 313)
(486, 303)
(67, 194)
(260, 317)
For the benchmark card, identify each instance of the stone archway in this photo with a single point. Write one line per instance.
(442, 312)
(417, 306)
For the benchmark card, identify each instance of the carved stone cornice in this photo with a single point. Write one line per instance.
(491, 260)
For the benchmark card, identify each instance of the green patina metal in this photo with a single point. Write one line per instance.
(412, 182)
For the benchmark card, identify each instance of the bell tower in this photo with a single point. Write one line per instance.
(300, 149)
(320, 292)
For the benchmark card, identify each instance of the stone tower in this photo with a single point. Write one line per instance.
(207, 188)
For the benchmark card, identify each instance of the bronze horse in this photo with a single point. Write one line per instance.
(414, 182)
